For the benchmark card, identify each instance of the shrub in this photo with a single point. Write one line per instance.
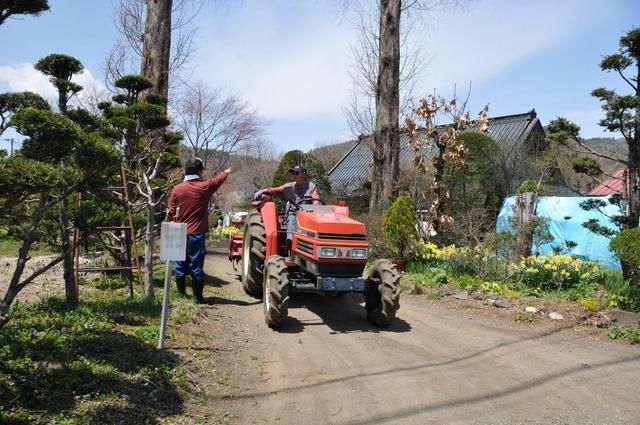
(626, 247)
(231, 230)
(621, 291)
(590, 304)
(556, 271)
(458, 261)
(399, 225)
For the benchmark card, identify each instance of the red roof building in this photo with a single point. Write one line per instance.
(611, 186)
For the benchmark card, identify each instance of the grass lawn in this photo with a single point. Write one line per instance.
(97, 364)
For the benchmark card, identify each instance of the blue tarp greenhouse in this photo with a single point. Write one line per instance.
(565, 224)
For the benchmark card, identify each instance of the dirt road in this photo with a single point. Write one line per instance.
(437, 365)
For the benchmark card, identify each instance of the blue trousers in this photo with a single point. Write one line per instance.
(194, 263)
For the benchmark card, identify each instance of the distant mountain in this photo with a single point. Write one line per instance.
(330, 154)
(611, 147)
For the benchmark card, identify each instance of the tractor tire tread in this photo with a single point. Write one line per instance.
(382, 293)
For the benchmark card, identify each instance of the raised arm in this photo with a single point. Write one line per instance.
(214, 183)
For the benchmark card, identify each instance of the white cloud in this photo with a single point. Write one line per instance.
(296, 64)
(24, 77)
(588, 122)
(286, 69)
(490, 36)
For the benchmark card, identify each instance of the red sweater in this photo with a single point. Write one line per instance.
(189, 202)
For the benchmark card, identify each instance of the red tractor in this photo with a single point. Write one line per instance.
(327, 255)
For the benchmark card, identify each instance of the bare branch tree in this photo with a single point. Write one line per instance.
(360, 113)
(215, 125)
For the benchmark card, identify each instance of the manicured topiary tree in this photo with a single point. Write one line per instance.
(139, 119)
(22, 7)
(399, 225)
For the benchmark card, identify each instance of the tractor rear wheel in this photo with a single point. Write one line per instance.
(253, 254)
(276, 291)
(382, 293)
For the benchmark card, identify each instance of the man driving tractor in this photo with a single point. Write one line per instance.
(295, 192)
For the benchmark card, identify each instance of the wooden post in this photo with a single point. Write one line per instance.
(526, 222)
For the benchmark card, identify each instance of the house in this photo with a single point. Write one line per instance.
(517, 136)
(614, 185)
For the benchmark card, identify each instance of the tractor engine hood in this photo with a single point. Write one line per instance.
(330, 225)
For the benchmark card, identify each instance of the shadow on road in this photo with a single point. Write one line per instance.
(215, 281)
(219, 300)
(342, 314)
(524, 386)
(388, 373)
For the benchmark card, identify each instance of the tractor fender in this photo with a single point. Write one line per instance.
(270, 220)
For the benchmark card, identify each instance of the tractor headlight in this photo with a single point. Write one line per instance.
(359, 253)
(327, 252)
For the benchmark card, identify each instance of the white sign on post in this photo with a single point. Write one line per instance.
(173, 241)
(173, 247)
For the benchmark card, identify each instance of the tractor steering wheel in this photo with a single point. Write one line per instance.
(307, 201)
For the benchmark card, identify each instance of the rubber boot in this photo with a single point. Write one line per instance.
(180, 283)
(289, 244)
(198, 287)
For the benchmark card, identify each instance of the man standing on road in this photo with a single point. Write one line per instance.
(189, 203)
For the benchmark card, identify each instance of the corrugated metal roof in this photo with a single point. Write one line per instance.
(611, 186)
(354, 169)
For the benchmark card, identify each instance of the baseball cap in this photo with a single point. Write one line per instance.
(297, 169)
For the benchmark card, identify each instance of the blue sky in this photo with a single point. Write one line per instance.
(291, 59)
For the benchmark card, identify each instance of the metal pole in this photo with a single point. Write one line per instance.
(165, 305)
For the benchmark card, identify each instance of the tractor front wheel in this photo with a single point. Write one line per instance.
(275, 291)
(382, 293)
(253, 253)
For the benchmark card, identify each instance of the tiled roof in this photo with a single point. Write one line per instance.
(348, 175)
(611, 186)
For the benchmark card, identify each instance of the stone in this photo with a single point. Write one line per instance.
(625, 318)
(416, 289)
(446, 291)
(493, 296)
(556, 316)
(488, 301)
(502, 303)
(464, 295)
(531, 309)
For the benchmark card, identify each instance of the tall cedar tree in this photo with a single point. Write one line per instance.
(386, 144)
(156, 55)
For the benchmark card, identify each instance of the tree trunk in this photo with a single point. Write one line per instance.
(634, 164)
(526, 222)
(148, 250)
(14, 288)
(157, 44)
(70, 286)
(438, 208)
(155, 66)
(386, 151)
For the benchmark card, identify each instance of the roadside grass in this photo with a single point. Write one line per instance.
(96, 364)
(9, 246)
(607, 290)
